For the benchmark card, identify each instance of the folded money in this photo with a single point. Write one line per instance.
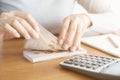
(46, 41)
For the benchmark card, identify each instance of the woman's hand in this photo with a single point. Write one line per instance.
(73, 29)
(18, 24)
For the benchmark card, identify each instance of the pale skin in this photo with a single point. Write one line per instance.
(23, 24)
(19, 24)
(72, 31)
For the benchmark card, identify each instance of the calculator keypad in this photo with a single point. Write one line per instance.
(89, 61)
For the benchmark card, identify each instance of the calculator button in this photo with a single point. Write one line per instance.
(89, 61)
(76, 63)
(76, 60)
(94, 67)
(93, 64)
(99, 61)
(68, 62)
(71, 59)
(100, 65)
(81, 62)
(82, 65)
(88, 65)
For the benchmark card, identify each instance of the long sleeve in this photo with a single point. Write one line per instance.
(5, 7)
(104, 14)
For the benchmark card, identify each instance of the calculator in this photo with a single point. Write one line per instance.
(98, 67)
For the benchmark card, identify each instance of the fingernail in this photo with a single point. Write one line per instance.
(27, 37)
(60, 42)
(73, 49)
(36, 36)
(17, 35)
(37, 28)
(66, 46)
(79, 48)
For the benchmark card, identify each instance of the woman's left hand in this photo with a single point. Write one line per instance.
(73, 29)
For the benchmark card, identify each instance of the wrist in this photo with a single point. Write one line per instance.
(87, 20)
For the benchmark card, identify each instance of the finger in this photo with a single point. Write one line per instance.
(79, 46)
(64, 30)
(29, 29)
(78, 36)
(12, 31)
(33, 23)
(28, 18)
(20, 29)
(70, 34)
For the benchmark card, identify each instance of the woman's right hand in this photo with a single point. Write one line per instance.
(19, 24)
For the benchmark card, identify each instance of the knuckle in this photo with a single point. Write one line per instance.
(78, 32)
(14, 31)
(65, 27)
(72, 28)
(27, 15)
(80, 27)
(68, 41)
(24, 32)
(60, 37)
(21, 20)
(67, 18)
(76, 18)
(32, 31)
(75, 44)
(13, 21)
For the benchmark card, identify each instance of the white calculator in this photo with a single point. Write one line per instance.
(98, 67)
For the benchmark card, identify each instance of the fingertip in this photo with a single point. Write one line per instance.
(27, 37)
(72, 49)
(60, 42)
(66, 46)
(79, 47)
(36, 36)
(37, 29)
(17, 35)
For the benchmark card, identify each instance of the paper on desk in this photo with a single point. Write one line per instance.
(101, 42)
(36, 56)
